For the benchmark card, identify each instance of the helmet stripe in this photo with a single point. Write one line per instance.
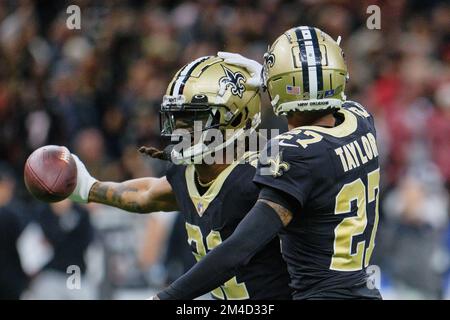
(311, 59)
(303, 59)
(175, 80)
(185, 74)
(318, 56)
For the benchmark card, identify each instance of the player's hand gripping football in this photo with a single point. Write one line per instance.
(252, 66)
(84, 182)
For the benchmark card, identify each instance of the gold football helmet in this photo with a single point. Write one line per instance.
(304, 70)
(209, 94)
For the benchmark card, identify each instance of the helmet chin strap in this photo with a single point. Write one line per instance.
(197, 152)
(275, 101)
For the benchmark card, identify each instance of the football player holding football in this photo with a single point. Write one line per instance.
(319, 191)
(213, 197)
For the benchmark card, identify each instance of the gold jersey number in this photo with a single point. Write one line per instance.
(343, 259)
(230, 290)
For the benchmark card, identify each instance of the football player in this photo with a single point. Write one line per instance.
(213, 197)
(319, 192)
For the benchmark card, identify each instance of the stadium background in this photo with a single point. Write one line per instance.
(97, 90)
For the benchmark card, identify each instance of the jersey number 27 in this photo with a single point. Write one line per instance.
(343, 259)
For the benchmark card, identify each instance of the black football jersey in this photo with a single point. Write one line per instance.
(333, 173)
(213, 216)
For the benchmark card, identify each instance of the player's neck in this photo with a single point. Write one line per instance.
(298, 119)
(209, 172)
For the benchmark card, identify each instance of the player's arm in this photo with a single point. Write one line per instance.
(267, 217)
(139, 195)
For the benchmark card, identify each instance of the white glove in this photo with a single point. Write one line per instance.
(252, 66)
(84, 182)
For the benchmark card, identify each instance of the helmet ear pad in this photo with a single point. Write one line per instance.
(242, 119)
(237, 120)
(248, 124)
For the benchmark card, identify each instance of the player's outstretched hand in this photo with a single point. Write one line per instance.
(252, 66)
(84, 182)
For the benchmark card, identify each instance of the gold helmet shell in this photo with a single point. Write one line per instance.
(304, 70)
(217, 92)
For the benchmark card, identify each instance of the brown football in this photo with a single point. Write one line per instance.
(50, 173)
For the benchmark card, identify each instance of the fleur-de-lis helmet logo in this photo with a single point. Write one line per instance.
(234, 80)
(269, 59)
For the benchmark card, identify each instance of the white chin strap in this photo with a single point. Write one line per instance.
(196, 153)
(307, 105)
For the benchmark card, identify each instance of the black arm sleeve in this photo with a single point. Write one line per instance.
(282, 198)
(257, 229)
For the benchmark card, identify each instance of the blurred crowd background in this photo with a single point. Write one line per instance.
(97, 91)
